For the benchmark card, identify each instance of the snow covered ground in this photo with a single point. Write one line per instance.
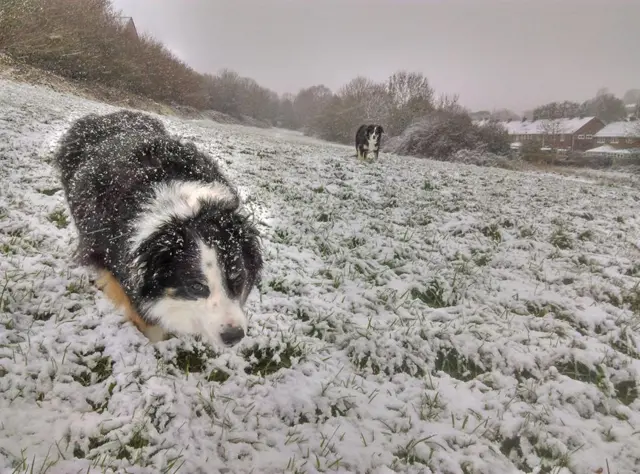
(415, 316)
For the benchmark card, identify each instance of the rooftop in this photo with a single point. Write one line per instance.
(542, 126)
(620, 129)
(609, 150)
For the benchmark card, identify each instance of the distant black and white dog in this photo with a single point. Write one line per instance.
(368, 140)
(161, 224)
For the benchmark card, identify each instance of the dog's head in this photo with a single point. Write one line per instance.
(196, 274)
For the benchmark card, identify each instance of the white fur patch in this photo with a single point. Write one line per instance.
(155, 334)
(181, 199)
(372, 142)
(205, 316)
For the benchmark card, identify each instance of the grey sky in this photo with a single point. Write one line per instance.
(514, 54)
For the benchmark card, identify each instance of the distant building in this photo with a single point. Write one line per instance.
(633, 110)
(611, 152)
(620, 135)
(483, 122)
(570, 134)
(128, 26)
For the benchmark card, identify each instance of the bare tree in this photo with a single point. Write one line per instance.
(405, 87)
(362, 101)
(286, 115)
(551, 132)
(503, 115)
(411, 97)
(329, 124)
(607, 107)
(632, 96)
(310, 102)
(556, 110)
(449, 102)
(358, 89)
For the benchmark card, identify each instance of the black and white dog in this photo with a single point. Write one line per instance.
(162, 226)
(368, 140)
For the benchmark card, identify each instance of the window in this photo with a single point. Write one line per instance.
(561, 137)
(614, 140)
(601, 140)
(629, 140)
(580, 137)
(589, 137)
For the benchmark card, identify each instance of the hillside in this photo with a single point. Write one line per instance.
(415, 316)
(16, 71)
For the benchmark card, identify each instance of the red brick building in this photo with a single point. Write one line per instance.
(128, 26)
(620, 135)
(570, 134)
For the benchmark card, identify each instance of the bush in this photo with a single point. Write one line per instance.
(83, 40)
(493, 137)
(443, 133)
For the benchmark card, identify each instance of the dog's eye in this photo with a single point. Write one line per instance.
(198, 288)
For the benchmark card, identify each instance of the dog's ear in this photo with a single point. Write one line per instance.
(159, 250)
(156, 259)
(242, 230)
(252, 254)
(381, 129)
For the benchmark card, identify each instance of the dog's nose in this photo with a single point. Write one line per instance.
(231, 335)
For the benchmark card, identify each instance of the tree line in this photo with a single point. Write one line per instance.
(605, 105)
(85, 41)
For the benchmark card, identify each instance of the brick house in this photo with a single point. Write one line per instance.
(570, 134)
(128, 26)
(620, 135)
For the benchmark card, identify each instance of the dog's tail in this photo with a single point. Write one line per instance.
(90, 130)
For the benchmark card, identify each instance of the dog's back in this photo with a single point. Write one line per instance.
(108, 166)
(361, 135)
(91, 130)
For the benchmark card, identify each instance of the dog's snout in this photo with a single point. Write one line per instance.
(231, 335)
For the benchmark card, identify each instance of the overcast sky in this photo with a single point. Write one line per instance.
(515, 54)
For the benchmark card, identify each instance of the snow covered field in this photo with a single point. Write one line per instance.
(415, 316)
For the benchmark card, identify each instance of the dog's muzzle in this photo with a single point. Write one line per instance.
(231, 335)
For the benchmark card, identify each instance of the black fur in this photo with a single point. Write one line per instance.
(108, 165)
(362, 140)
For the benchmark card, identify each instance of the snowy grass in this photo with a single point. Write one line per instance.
(415, 316)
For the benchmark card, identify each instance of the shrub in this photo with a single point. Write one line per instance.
(83, 40)
(443, 133)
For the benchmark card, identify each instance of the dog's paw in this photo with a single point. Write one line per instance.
(154, 334)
